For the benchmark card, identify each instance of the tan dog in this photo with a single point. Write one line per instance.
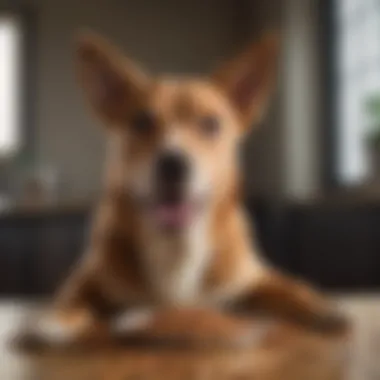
(171, 230)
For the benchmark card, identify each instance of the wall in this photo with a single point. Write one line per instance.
(263, 158)
(302, 101)
(167, 35)
(284, 155)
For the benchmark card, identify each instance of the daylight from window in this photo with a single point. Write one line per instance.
(9, 85)
(358, 69)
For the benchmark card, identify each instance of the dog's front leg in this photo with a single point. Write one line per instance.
(294, 301)
(79, 316)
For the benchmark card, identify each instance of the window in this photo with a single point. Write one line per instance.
(358, 70)
(10, 96)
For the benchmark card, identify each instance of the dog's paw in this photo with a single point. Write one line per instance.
(27, 341)
(45, 333)
(55, 331)
(132, 322)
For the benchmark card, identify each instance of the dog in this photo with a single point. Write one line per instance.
(170, 230)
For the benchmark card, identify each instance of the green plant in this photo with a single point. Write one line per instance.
(372, 109)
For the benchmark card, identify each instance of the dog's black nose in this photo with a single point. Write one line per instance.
(172, 167)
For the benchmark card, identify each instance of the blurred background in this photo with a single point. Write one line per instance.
(312, 170)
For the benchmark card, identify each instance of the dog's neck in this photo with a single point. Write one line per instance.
(175, 262)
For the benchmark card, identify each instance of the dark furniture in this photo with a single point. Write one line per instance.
(333, 244)
(37, 249)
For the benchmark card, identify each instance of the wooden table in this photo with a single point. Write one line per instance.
(287, 353)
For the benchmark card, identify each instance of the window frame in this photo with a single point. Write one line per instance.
(28, 80)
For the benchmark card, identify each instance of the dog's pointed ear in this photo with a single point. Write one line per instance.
(249, 79)
(111, 82)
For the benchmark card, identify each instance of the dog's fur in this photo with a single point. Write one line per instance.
(130, 262)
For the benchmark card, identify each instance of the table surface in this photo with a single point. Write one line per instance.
(293, 355)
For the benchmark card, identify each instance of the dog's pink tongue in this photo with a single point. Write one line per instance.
(172, 215)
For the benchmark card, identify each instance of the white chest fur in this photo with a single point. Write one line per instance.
(175, 264)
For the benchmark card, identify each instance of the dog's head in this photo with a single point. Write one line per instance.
(175, 140)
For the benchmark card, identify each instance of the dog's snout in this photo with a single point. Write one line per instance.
(172, 167)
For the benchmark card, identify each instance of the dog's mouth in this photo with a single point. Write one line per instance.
(174, 216)
(174, 213)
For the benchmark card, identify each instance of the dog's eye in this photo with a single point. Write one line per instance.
(210, 125)
(144, 122)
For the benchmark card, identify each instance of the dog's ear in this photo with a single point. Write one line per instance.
(249, 79)
(111, 82)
